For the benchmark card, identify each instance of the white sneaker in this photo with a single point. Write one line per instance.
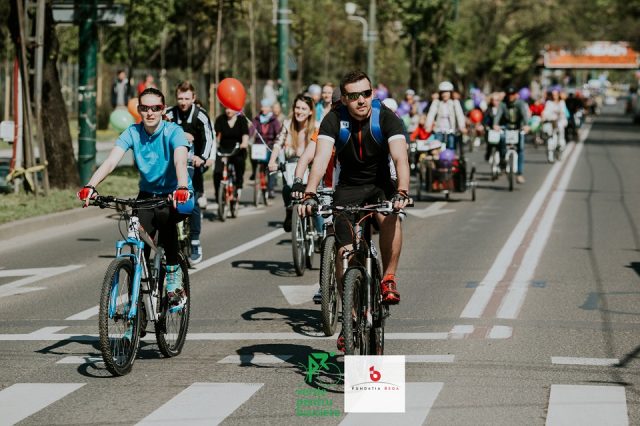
(196, 252)
(202, 202)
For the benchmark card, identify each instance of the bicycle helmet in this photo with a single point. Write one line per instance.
(315, 89)
(391, 104)
(445, 86)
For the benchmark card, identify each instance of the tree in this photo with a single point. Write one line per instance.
(63, 172)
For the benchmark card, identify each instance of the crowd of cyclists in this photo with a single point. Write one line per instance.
(350, 137)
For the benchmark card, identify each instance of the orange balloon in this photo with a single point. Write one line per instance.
(231, 94)
(475, 115)
(132, 106)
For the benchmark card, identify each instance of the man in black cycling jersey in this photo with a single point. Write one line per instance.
(365, 175)
(197, 128)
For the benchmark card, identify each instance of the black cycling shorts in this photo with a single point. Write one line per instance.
(357, 196)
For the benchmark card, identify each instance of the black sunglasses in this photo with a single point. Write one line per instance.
(353, 96)
(153, 108)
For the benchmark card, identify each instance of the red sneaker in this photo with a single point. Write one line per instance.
(340, 343)
(390, 295)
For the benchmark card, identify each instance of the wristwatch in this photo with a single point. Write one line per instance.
(297, 180)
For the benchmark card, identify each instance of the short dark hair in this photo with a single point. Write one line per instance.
(185, 86)
(352, 77)
(151, 91)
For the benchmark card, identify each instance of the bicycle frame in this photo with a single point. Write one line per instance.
(143, 278)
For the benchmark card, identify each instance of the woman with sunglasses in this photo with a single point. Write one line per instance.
(293, 139)
(160, 150)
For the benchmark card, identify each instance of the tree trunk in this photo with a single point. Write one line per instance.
(252, 49)
(63, 171)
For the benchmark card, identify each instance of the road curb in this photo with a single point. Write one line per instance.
(38, 223)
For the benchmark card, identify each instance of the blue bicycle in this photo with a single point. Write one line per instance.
(133, 292)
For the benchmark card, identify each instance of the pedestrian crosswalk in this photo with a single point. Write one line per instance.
(210, 403)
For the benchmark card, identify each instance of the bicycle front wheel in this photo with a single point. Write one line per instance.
(512, 166)
(353, 318)
(298, 243)
(222, 202)
(329, 286)
(171, 328)
(119, 334)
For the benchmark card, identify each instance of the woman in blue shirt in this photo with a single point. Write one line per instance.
(160, 150)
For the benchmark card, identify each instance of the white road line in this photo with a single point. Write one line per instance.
(420, 397)
(80, 360)
(500, 332)
(587, 405)
(202, 404)
(434, 209)
(254, 359)
(93, 311)
(19, 401)
(562, 360)
(483, 292)
(429, 358)
(51, 334)
(298, 294)
(236, 251)
(34, 275)
(513, 300)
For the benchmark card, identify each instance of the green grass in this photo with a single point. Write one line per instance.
(122, 182)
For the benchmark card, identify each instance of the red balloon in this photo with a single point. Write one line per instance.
(231, 94)
(475, 115)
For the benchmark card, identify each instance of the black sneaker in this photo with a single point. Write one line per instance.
(317, 298)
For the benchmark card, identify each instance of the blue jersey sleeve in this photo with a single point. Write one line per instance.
(125, 140)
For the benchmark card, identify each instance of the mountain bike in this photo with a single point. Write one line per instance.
(133, 293)
(511, 140)
(227, 190)
(329, 294)
(363, 314)
(260, 153)
(551, 136)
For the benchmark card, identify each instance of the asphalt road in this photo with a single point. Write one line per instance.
(521, 308)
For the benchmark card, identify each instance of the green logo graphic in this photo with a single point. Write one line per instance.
(322, 374)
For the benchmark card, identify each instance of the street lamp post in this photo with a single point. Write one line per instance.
(369, 32)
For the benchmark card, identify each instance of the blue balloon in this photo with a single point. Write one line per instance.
(524, 93)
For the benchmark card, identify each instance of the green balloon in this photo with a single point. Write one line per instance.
(468, 104)
(120, 119)
(534, 123)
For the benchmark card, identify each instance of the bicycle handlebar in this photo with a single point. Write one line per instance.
(109, 201)
(235, 150)
(386, 207)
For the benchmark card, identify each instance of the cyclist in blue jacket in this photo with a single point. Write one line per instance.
(160, 150)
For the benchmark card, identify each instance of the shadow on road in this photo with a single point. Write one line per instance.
(277, 268)
(306, 322)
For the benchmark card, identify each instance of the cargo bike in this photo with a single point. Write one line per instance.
(443, 171)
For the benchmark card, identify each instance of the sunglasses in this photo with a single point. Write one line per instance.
(354, 96)
(152, 108)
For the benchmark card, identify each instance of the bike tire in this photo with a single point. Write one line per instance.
(298, 235)
(420, 184)
(472, 182)
(233, 205)
(329, 286)
(171, 328)
(222, 202)
(511, 175)
(353, 327)
(309, 248)
(118, 353)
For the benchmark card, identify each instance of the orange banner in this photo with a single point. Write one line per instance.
(596, 55)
